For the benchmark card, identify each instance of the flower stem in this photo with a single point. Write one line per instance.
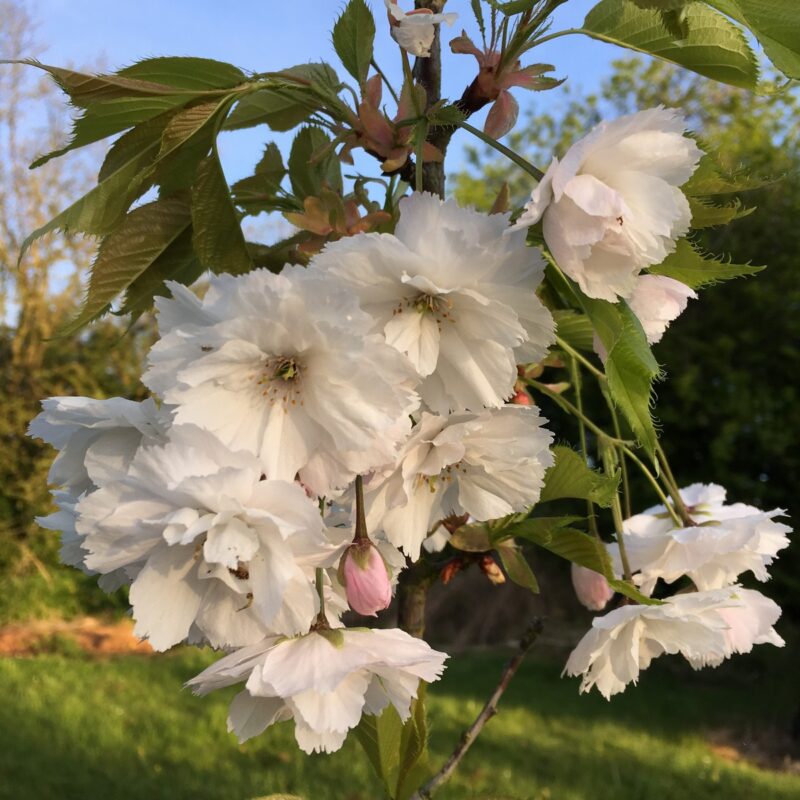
(575, 374)
(385, 80)
(506, 151)
(654, 483)
(609, 464)
(672, 487)
(601, 376)
(571, 409)
(322, 620)
(626, 489)
(361, 518)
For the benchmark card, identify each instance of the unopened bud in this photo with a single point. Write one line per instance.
(451, 569)
(363, 572)
(491, 570)
(591, 588)
(521, 398)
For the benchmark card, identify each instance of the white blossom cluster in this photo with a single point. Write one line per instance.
(706, 625)
(390, 357)
(231, 502)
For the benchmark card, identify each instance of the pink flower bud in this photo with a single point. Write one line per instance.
(363, 573)
(591, 588)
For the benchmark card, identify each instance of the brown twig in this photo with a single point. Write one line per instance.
(488, 711)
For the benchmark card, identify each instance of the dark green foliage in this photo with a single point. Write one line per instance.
(102, 363)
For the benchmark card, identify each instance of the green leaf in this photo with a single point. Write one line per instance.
(574, 328)
(516, 566)
(115, 103)
(714, 47)
(186, 141)
(694, 268)
(130, 144)
(178, 263)
(106, 118)
(196, 74)
(472, 538)
(570, 476)
(555, 535)
(99, 210)
(442, 115)
(776, 25)
(512, 7)
(306, 88)
(477, 11)
(710, 178)
(630, 365)
(381, 738)
(707, 215)
(413, 767)
(85, 90)
(276, 256)
(124, 255)
(259, 192)
(280, 109)
(218, 238)
(353, 39)
(313, 164)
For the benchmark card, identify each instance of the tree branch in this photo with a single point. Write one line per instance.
(488, 711)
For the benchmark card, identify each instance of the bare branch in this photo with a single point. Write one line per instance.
(488, 711)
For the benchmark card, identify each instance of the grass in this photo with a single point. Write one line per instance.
(74, 728)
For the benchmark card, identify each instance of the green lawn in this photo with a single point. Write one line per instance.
(72, 728)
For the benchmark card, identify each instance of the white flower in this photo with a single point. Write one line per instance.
(486, 465)
(749, 623)
(324, 681)
(727, 541)
(658, 300)
(96, 439)
(282, 366)
(215, 551)
(414, 31)
(612, 205)
(454, 294)
(704, 627)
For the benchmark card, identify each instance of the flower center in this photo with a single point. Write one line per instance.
(282, 380)
(439, 307)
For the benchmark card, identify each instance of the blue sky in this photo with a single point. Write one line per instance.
(264, 35)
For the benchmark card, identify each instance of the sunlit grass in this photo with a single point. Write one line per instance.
(122, 729)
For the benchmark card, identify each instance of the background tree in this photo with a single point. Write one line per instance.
(36, 296)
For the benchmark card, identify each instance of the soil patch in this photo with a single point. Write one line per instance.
(768, 748)
(85, 634)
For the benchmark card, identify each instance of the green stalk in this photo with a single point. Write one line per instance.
(609, 459)
(575, 374)
(571, 409)
(506, 151)
(672, 487)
